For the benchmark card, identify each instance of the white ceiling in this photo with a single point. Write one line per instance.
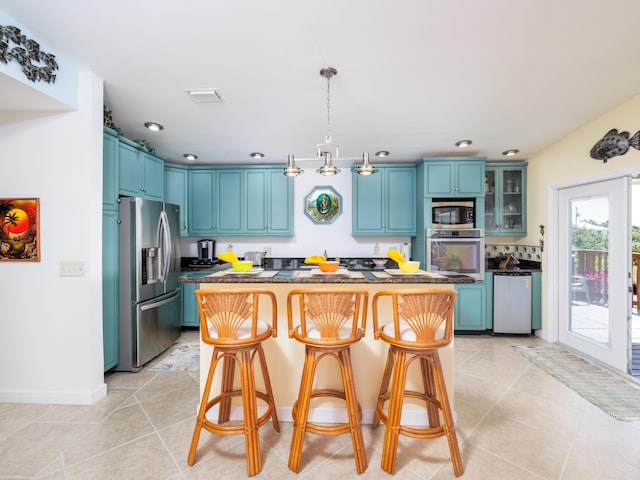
(414, 76)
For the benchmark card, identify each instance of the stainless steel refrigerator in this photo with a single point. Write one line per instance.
(149, 293)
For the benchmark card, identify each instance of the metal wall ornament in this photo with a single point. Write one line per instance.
(323, 205)
(613, 144)
(26, 51)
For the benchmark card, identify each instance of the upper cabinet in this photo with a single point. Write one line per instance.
(505, 199)
(175, 191)
(201, 202)
(215, 202)
(385, 203)
(269, 201)
(454, 177)
(109, 169)
(229, 202)
(247, 201)
(141, 174)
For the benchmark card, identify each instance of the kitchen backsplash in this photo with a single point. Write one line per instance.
(523, 252)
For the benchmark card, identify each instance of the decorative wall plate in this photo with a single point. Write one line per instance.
(323, 205)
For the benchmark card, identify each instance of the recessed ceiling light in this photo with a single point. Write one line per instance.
(190, 156)
(510, 153)
(256, 154)
(463, 143)
(382, 153)
(153, 126)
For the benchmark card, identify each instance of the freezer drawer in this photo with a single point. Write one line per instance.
(158, 327)
(147, 329)
(512, 303)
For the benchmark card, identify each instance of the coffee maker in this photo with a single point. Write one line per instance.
(206, 251)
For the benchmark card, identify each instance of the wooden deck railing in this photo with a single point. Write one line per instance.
(590, 262)
(594, 266)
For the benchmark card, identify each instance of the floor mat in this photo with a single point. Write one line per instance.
(635, 359)
(183, 358)
(608, 391)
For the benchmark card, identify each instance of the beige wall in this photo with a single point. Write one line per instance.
(569, 160)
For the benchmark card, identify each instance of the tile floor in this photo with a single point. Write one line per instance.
(514, 422)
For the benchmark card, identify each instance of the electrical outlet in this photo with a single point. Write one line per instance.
(267, 250)
(72, 269)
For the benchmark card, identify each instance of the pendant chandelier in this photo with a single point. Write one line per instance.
(328, 151)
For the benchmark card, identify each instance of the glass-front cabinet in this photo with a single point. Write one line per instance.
(505, 198)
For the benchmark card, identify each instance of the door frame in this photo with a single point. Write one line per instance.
(550, 268)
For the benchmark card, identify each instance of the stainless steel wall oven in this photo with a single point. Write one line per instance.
(456, 251)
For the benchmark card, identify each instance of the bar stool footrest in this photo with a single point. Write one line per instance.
(328, 430)
(238, 429)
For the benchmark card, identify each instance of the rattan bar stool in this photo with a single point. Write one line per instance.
(229, 322)
(422, 323)
(329, 325)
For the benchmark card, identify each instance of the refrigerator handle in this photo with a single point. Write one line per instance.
(165, 241)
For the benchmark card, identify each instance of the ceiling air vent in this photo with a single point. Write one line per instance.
(204, 95)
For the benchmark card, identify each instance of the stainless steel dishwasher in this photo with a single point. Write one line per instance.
(512, 302)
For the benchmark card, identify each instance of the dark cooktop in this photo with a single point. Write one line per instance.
(197, 263)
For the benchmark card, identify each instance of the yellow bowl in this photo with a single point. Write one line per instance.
(243, 266)
(328, 266)
(409, 267)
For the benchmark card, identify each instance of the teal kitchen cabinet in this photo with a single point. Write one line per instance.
(268, 202)
(201, 202)
(175, 191)
(141, 174)
(435, 178)
(505, 211)
(536, 300)
(454, 177)
(240, 202)
(110, 226)
(280, 200)
(385, 203)
(190, 315)
(229, 202)
(110, 144)
(215, 202)
(110, 285)
(470, 309)
(488, 284)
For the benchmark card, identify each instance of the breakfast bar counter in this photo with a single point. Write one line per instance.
(284, 354)
(224, 274)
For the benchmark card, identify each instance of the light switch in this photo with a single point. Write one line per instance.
(72, 269)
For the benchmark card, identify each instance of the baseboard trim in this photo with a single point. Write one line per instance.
(55, 398)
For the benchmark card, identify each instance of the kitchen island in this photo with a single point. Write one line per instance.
(285, 356)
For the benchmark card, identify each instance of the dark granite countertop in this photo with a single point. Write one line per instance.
(304, 276)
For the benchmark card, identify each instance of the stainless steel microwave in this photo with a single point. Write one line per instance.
(454, 213)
